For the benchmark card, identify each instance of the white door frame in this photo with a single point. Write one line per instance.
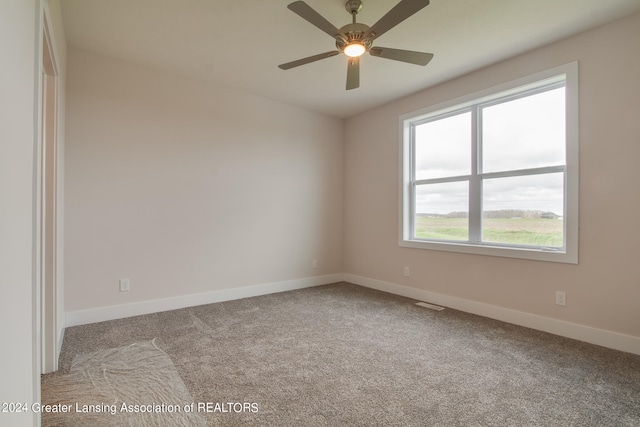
(47, 198)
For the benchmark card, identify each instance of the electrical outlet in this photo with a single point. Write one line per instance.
(124, 285)
(407, 272)
(561, 298)
(314, 263)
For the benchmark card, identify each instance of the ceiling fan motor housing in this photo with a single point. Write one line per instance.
(353, 33)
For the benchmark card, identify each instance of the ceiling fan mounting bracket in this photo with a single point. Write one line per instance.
(353, 6)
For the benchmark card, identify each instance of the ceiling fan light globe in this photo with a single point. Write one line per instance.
(354, 50)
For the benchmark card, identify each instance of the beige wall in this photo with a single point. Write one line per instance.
(186, 188)
(603, 291)
(18, 46)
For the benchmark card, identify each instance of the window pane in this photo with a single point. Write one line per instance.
(524, 210)
(443, 147)
(524, 133)
(442, 211)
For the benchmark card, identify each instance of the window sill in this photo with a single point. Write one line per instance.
(536, 254)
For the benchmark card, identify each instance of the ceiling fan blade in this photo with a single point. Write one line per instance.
(306, 12)
(353, 73)
(309, 59)
(410, 56)
(399, 13)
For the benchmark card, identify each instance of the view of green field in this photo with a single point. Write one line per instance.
(521, 231)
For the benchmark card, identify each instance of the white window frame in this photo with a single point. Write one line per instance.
(569, 253)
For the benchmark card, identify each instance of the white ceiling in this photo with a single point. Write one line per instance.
(240, 43)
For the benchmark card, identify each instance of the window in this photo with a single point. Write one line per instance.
(495, 173)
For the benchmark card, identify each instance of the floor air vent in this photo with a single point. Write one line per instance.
(431, 306)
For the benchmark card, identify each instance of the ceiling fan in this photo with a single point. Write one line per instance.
(355, 39)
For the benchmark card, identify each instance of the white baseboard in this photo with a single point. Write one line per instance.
(576, 331)
(112, 312)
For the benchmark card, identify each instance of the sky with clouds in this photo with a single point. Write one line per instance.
(519, 134)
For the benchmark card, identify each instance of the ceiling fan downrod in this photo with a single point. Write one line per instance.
(353, 7)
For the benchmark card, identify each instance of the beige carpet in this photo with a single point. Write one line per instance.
(344, 355)
(135, 385)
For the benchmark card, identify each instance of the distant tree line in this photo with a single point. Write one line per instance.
(518, 213)
(503, 213)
